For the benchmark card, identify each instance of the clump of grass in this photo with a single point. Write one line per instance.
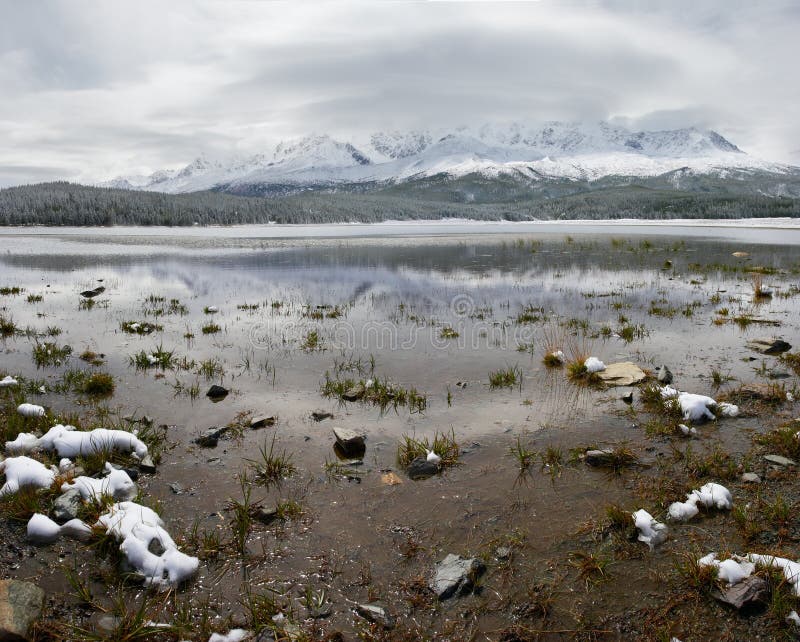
(378, 392)
(785, 440)
(592, 567)
(210, 328)
(91, 357)
(522, 454)
(448, 333)
(50, 354)
(443, 444)
(34, 298)
(10, 290)
(7, 326)
(312, 341)
(701, 578)
(273, 466)
(529, 314)
(140, 327)
(792, 359)
(158, 358)
(155, 305)
(506, 378)
(99, 384)
(618, 518)
(629, 333)
(759, 291)
(242, 520)
(288, 509)
(27, 501)
(210, 368)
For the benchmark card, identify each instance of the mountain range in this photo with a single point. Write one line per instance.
(494, 162)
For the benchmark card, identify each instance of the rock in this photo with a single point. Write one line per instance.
(217, 393)
(21, 605)
(176, 488)
(104, 623)
(664, 374)
(262, 420)
(780, 460)
(321, 415)
(266, 515)
(455, 575)
(751, 591)
(778, 374)
(599, 457)
(376, 614)
(390, 479)
(741, 255)
(628, 398)
(156, 547)
(66, 506)
(350, 441)
(210, 438)
(769, 345)
(421, 468)
(147, 465)
(751, 478)
(90, 294)
(502, 552)
(624, 373)
(355, 393)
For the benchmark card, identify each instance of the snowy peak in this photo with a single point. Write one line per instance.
(553, 150)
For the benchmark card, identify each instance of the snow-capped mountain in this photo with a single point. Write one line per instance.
(579, 152)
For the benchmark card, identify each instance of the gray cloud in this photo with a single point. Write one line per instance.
(92, 89)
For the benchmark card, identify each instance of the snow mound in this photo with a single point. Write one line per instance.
(732, 570)
(710, 495)
(117, 484)
(234, 635)
(136, 526)
(43, 530)
(69, 442)
(8, 382)
(24, 443)
(24, 472)
(791, 570)
(651, 532)
(30, 410)
(593, 364)
(698, 407)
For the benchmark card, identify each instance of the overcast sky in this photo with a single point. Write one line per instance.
(93, 89)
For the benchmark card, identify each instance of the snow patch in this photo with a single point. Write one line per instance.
(651, 532)
(8, 382)
(43, 530)
(593, 364)
(117, 484)
(234, 635)
(30, 410)
(22, 472)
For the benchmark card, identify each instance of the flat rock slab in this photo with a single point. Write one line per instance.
(351, 442)
(751, 591)
(624, 373)
(21, 605)
(780, 460)
(455, 575)
(769, 345)
(261, 421)
(421, 468)
(210, 438)
(599, 457)
(375, 613)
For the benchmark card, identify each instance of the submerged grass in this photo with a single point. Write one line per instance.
(443, 444)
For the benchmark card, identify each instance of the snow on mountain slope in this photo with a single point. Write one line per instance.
(555, 150)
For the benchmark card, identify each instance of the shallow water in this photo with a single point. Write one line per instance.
(394, 294)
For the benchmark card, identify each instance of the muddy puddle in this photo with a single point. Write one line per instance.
(281, 322)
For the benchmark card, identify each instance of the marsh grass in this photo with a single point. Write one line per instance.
(506, 378)
(210, 328)
(7, 326)
(50, 354)
(784, 440)
(98, 384)
(523, 456)
(161, 358)
(210, 368)
(443, 444)
(312, 341)
(91, 357)
(379, 393)
(792, 360)
(273, 466)
(140, 327)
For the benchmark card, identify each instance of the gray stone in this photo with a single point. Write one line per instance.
(350, 441)
(321, 415)
(751, 591)
(376, 614)
(599, 457)
(778, 374)
(266, 515)
(176, 488)
(627, 398)
(21, 605)
(502, 552)
(156, 547)
(105, 623)
(624, 373)
(455, 575)
(421, 468)
(769, 345)
(66, 506)
(663, 374)
(780, 460)
(262, 420)
(147, 465)
(751, 478)
(210, 438)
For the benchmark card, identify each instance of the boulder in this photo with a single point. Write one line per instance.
(217, 393)
(751, 591)
(455, 575)
(349, 441)
(769, 345)
(66, 506)
(622, 374)
(604, 457)
(262, 420)
(21, 605)
(421, 468)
